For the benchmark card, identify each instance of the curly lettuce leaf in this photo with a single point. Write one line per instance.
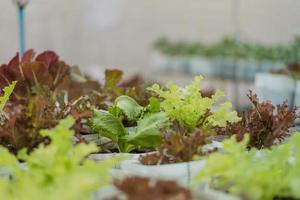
(7, 92)
(189, 107)
(59, 169)
(255, 174)
(129, 107)
(222, 116)
(154, 105)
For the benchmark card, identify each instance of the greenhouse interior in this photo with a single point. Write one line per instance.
(150, 100)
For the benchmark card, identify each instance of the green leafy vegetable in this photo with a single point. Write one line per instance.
(129, 106)
(190, 108)
(154, 105)
(56, 171)
(217, 118)
(109, 125)
(147, 133)
(256, 174)
(148, 120)
(7, 92)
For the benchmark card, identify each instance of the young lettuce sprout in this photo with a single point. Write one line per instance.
(148, 122)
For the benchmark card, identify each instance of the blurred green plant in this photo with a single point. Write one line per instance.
(256, 174)
(231, 48)
(59, 170)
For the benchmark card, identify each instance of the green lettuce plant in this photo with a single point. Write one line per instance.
(59, 170)
(146, 123)
(191, 109)
(256, 174)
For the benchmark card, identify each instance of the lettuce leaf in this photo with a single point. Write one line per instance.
(108, 125)
(190, 108)
(147, 133)
(129, 106)
(223, 115)
(7, 92)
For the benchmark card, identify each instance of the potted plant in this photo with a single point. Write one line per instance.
(129, 126)
(265, 123)
(261, 147)
(172, 161)
(195, 118)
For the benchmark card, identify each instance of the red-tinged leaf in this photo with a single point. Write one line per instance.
(6, 76)
(58, 71)
(10, 136)
(15, 67)
(14, 62)
(79, 115)
(177, 147)
(49, 58)
(37, 73)
(135, 188)
(28, 56)
(266, 124)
